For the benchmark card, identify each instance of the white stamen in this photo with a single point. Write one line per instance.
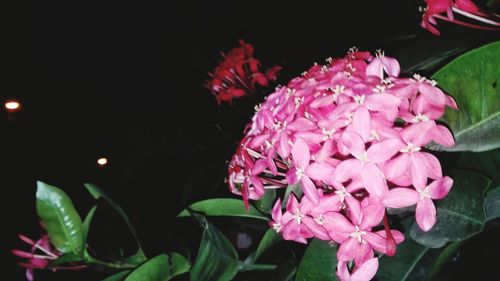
(410, 148)
(420, 118)
(277, 227)
(357, 234)
(360, 100)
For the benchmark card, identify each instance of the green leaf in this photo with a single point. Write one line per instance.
(223, 207)
(217, 259)
(411, 262)
(444, 257)
(265, 204)
(155, 269)
(473, 79)
(414, 262)
(318, 263)
(66, 258)
(86, 225)
(97, 193)
(160, 268)
(60, 218)
(487, 162)
(268, 240)
(286, 270)
(118, 276)
(492, 203)
(178, 264)
(296, 189)
(460, 215)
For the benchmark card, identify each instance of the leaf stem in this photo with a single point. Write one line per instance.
(115, 265)
(250, 267)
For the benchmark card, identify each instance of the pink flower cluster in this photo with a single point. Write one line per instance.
(352, 134)
(445, 10)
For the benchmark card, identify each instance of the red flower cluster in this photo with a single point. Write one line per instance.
(238, 74)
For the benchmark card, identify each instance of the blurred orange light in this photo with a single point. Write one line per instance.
(103, 161)
(12, 105)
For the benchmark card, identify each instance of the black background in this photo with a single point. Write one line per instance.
(125, 81)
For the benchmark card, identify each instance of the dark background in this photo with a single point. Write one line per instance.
(125, 81)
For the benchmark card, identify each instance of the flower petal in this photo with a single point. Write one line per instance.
(438, 189)
(425, 214)
(382, 151)
(366, 271)
(301, 154)
(347, 249)
(400, 198)
(373, 180)
(443, 136)
(346, 170)
(372, 215)
(310, 190)
(354, 143)
(361, 123)
(320, 171)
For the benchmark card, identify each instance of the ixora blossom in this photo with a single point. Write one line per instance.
(41, 254)
(446, 10)
(352, 134)
(238, 75)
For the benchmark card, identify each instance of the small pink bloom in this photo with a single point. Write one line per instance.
(42, 252)
(426, 211)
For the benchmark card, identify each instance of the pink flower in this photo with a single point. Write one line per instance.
(381, 64)
(363, 272)
(303, 170)
(292, 221)
(347, 134)
(366, 163)
(401, 197)
(41, 254)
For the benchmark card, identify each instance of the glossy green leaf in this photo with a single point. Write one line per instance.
(268, 240)
(66, 258)
(178, 264)
(86, 225)
(410, 263)
(444, 257)
(136, 258)
(414, 262)
(155, 269)
(160, 268)
(265, 204)
(223, 207)
(120, 276)
(460, 215)
(473, 79)
(97, 193)
(318, 262)
(60, 218)
(217, 259)
(487, 162)
(492, 203)
(286, 270)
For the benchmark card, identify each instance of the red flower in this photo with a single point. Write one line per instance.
(445, 9)
(238, 74)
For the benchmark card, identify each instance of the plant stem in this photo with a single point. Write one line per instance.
(115, 265)
(249, 267)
